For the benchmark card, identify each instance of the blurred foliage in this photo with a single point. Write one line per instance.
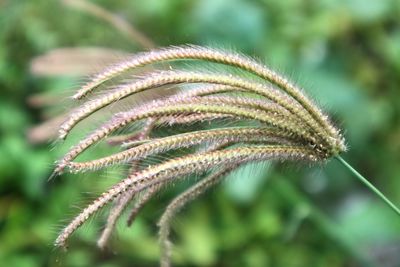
(346, 53)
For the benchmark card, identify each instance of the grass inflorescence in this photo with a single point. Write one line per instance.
(270, 118)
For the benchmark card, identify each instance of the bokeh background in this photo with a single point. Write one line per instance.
(345, 53)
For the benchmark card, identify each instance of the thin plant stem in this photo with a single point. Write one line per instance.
(368, 184)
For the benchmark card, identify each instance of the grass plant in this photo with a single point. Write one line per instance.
(240, 112)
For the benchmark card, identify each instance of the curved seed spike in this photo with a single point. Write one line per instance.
(117, 123)
(179, 202)
(112, 218)
(182, 166)
(216, 99)
(172, 53)
(249, 102)
(273, 117)
(123, 200)
(116, 211)
(241, 134)
(176, 77)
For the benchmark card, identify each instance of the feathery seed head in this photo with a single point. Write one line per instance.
(271, 119)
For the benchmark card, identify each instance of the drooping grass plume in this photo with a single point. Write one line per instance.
(270, 118)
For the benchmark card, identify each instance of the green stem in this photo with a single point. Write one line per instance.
(368, 184)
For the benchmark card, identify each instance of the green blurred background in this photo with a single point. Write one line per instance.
(345, 53)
